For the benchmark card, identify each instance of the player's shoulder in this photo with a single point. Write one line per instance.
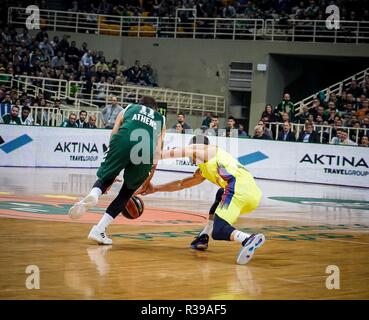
(222, 153)
(133, 105)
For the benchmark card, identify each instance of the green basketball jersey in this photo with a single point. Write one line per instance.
(138, 117)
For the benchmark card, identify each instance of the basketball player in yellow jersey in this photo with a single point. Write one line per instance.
(238, 194)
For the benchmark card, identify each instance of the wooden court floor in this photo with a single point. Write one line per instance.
(151, 258)
(155, 262)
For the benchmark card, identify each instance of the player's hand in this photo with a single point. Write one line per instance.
(145, 191)
(115, 180)
(141, 190)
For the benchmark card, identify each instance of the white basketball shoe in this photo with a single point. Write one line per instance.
(99, 236)
(255, 241)
(79, 208)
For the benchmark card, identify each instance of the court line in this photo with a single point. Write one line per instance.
(289, 280)
(191, 172)
(340, 240)
(319, 238)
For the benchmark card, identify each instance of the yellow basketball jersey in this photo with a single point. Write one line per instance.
(241, 194)
(221, 168)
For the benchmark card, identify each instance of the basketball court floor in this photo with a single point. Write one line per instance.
(308, 228)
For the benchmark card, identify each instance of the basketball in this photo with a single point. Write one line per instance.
(134, 208)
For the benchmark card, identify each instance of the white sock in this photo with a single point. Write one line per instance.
(105, 221)
(95, 192)
(240, 236)
(208, 228)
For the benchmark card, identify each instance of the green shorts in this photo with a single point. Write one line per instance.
(117, 158)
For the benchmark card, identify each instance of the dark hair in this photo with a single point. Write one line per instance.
(26, 108)
(83, 111)
(199, 139)
(231, 118)
(148, 102)
(215, 116)
(181, 114)
(15, 106)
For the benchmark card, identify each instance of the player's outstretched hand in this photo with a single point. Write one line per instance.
(147, 190)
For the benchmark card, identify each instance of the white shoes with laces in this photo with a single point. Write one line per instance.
(79, 208)
(99, 236)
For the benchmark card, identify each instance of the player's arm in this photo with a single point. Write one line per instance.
(195, 151)
(177, 185)
(158, 149)
(118, 122)
(179, 152)
(159, 146)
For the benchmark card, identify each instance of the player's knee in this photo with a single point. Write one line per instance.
(222, 230)
(103, 185)
(254, 204)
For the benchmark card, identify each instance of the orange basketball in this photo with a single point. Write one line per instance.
(134, 208)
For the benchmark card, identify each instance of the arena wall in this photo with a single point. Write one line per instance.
(84, 148)
(198, 65)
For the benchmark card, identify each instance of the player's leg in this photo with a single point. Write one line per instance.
(115, 160)
(223, 230)
(255, 241)
(202, 239)
(134, 176)
(98, 232)
(233, 203)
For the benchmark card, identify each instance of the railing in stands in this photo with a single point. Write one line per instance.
(354, 32)
(336, 88)
(54, 117)
(52, 88)
(325, 131)
(142, 26)
(49, 116)
(101, 94)
(25, 84)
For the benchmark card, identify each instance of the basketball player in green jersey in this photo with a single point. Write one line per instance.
(135, 140)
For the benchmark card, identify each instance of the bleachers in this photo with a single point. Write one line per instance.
(74, 99)
(355, 32)
(176, 100)
(326, 132)
(74, 91)
(336, 88)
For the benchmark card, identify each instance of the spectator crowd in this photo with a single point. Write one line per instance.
(332, 118)
(353, 10)
(15, 108)
(264, 9)
(39, 56)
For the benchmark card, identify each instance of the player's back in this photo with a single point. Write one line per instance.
(221, 168)
(142, 121)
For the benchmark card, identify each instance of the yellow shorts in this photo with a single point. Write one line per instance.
(241, 196)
